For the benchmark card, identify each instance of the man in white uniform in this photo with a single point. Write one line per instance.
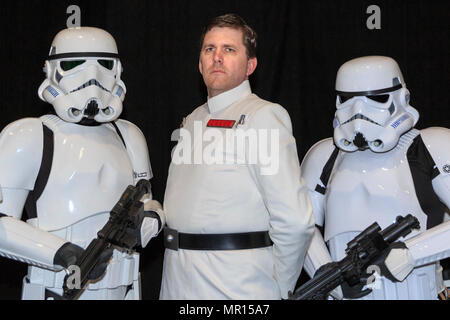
(238, 225)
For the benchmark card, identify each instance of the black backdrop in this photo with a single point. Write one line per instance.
(301, 46)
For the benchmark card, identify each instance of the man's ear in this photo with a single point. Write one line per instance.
(200, 66)
(251, 65)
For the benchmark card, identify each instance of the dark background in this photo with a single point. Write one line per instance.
(301, 45)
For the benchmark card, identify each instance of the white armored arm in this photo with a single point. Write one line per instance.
(137, 149)
(427, 247)
(431, 245)
(311, 168)
(23, 242)
(437, 141)
(21, 144)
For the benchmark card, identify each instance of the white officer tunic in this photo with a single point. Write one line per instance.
(204, 196)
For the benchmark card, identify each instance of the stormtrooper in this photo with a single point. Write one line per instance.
(68, 171)
(376, 167)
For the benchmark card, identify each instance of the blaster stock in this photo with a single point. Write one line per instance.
(361, 252)
(125, 217)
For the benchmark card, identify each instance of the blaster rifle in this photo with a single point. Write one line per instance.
(361, 252)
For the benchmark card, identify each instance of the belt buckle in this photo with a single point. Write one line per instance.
(171, 239)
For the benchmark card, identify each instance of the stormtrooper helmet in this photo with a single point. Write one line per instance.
(83, 76)
(372, 105)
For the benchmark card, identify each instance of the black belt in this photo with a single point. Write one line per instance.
(175, 240)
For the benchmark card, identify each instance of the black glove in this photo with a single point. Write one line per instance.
(356, 291)
(69, 254)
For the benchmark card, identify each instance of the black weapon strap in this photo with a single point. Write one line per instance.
(44, 173)
(119, 133)
(326, 172)
(423, 171)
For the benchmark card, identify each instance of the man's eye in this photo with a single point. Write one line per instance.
(229, 49)
(70, 64)
(209, 49)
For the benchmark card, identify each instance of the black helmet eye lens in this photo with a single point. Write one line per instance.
(108, 64)
(343, 99)
(382, 98)
(70, 64)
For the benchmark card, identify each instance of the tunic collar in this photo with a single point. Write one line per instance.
(227, 98)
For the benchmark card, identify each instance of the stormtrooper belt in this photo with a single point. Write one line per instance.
(175, 240)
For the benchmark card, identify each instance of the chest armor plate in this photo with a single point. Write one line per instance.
(365, 187)
(90, 170)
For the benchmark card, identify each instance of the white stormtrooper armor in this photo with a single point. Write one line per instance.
(70, 170)
(379, 167)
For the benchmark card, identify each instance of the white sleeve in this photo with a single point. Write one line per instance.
(317, 254)
(285, 197)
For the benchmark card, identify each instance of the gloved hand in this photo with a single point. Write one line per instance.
(356, 291)
(69, 254)
(395, 263)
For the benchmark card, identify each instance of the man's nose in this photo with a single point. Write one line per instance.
(218, 57)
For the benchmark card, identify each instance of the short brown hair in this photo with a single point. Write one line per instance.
(232, 20)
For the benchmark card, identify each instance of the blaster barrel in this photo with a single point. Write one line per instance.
(400, 228)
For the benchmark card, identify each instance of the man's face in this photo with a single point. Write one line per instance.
(223, 60)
